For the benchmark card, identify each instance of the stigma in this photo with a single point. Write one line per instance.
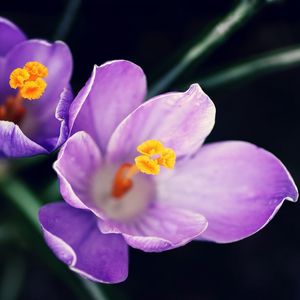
(153, 156)
(29, 80)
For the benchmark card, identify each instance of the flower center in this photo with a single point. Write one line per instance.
(154, 155)
(31, 86)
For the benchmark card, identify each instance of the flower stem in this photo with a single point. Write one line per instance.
(52, 191)
(219, 33)
(260, 65)
(93, 289)
(12, 278)
(67, 20)
(22, 198)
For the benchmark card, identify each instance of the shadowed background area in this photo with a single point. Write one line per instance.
(263, 110)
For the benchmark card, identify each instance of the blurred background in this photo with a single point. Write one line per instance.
(263, 109)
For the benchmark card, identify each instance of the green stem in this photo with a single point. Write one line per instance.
(12, 278)
(260, 65)
(26, 202)
(217, 35)
(22, 198)
(67, 20)
(93, 289)
(52, 191)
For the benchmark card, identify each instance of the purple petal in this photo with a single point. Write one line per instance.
(180, 120)
(15, 144)
(73, 236)
(51, 131)
(10, 35)
(77, 160)
(160, 228)
(237, 186)
(113, 91)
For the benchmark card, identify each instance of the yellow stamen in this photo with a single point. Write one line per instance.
(147, 165)
(150, 147)
(36, 69)
(167, 158)
(154, 156)
(33, 90)
(29, 80)
(18, 77)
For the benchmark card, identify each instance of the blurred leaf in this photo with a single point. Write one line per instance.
(12, 278)
(52, 191)
(67, 19)
(220, 32)
(22, 198)
(252, 68)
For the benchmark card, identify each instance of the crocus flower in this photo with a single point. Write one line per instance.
(137, 174)
(34, 93)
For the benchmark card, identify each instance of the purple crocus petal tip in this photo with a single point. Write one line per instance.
(74, 237)
(114, 90)
(10, 35)
(161, 228)
(179, 120)
(14, 143)
(62, 114)
(237, 186)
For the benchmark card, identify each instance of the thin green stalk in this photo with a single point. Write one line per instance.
(26, 202)
(13, 276)
(220, 32)
(93, 289)
(52, 191)
(67, 20)
(257, 66)
(22, 198)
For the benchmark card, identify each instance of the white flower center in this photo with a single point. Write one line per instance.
(127, 207)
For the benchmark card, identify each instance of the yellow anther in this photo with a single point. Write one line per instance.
(36, 69)
(29, 80)
(33, 90)
(167, 158)
(147, 165)
(155, 155)
(151, 147)
(18, 77)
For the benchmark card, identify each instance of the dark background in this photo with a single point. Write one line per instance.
(264, 111)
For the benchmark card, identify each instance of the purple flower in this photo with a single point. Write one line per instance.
(221, 192)
(35, 93)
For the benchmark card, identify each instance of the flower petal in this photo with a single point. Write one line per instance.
(15, 144)
(10, 35)
(237, 186)
(179, 120)
(112, 92)
(73, 236)
(160, 228)
(51, 131)
(77, 161)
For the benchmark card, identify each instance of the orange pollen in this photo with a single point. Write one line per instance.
(29, 80)
(154, 155)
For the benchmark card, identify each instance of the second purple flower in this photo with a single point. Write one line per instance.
(34, 93)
